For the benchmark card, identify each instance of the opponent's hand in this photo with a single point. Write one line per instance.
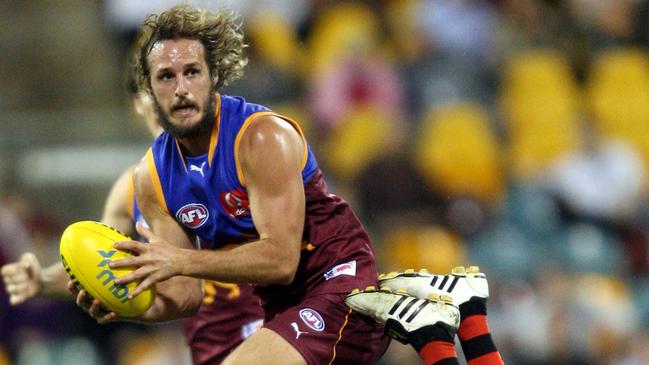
(22, 278)
(152, 262)
(91, 306)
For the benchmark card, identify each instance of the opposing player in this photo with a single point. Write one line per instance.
(26, 278)
(228, 171)
(405, 305)
(229, 314)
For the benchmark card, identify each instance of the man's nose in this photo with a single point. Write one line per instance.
(181, 87)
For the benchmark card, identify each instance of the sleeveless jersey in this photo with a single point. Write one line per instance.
(230, 313)
(207, 195)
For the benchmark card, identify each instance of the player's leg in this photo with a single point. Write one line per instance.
(265, 347)
(324, 330)
(429, 325)
(470, 291)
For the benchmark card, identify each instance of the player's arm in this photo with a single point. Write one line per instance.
(179, 296)
(271, 153)
(117, 213)
(26, 279)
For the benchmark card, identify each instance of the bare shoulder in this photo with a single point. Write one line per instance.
(269, 132)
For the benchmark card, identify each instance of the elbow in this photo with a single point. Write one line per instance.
(286, 270)
(285, 277)
(194, 302)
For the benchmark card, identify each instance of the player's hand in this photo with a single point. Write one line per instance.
(152, 262)
(91, 306)
(22, 279)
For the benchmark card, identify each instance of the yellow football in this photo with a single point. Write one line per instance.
(86, 249)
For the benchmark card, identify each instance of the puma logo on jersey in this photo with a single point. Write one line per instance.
(196, 168)
(297, 330)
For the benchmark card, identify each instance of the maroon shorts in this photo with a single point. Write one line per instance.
(325, 331)
(231, 315)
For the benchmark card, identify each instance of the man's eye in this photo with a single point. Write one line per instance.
(166, 76)
(192, 72)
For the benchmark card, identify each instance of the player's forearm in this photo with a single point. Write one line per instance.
(176, 298)
(54, 282)
(260, 262)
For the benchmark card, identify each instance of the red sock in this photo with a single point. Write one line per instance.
(477, 344)
(439, 353)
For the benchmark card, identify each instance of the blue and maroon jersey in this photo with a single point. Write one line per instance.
(207, 195)
(230, 313)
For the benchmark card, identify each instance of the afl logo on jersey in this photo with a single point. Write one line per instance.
(193, 215)
(312, 319)
(235, 203)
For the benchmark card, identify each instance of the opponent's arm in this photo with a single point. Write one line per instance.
(26, 279)
(271, 153)
(117, 213)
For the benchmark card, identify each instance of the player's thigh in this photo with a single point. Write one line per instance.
(265, 347)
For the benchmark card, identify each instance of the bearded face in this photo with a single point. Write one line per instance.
(182, 86)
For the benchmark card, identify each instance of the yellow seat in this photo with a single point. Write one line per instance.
(537, 74)
(274, 39)
(618, 96)
(341, 31)
(363, 135)
(540, 101)
(550, 131)
(459, 154)
(431, 246)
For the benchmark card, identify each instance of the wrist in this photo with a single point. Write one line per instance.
(52, 282)
(183, 264)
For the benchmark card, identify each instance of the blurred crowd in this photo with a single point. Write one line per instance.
(509, 134)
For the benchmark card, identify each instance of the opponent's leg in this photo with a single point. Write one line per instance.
(470, 291)
(429, 325)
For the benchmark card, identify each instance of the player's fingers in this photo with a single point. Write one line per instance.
(9, 269)
(30, 262)
(107, 318)
(16, 299)
(133, 275)
(144, 285)
(73, 288)
(143, 231)
(83, 300)
(125, 262)
(17, 288)
(17, 277)
(95, 310)
(133, 246)
(7, 279)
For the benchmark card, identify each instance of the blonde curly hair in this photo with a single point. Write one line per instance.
(219, 32)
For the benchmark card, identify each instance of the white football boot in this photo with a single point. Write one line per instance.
(462, 284)
(403, 314)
